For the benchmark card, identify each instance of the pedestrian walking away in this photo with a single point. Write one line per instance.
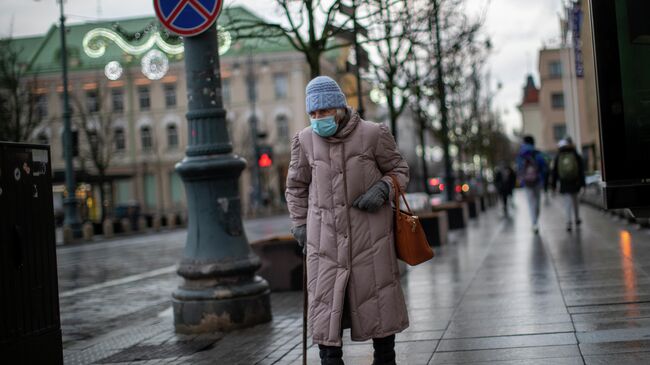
(338, 193)
(568, 171)
(505, 181)
(532, 172)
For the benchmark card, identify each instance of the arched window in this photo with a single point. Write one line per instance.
(119, 139)
(145, 137)
(172, 136)
(283, 127)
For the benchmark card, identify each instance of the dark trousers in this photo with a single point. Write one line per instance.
(384, 353)
(504, 200)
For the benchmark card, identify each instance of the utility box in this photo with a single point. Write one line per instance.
(30, 327)
(621, 34)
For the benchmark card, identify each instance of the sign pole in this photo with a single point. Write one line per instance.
(220, 290)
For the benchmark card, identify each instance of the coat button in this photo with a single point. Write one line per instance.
(345, 236)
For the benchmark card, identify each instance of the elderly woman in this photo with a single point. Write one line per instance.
(338, 189)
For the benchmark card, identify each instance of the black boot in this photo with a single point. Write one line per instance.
(384, 350)
(331, 355)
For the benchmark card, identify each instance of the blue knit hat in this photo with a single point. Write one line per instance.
(324, 93)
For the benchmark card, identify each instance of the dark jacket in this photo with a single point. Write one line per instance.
(505, 180)
(568, 187)
(528, 151)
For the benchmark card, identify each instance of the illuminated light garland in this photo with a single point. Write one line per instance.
(113, 70)
(94, 43)
(155, 65)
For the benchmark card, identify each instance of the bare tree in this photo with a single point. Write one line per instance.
(95, 120)
(19, 113)
(450, 31)
(311, 27)
(392, 30)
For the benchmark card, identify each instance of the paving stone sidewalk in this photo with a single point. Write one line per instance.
(496, 294)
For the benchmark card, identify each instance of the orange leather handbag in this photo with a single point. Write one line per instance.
(411, 243)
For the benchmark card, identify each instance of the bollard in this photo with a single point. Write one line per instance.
(107, 228)
(142, 224)
(156, 222)
(88, 231)
(68, 234)
(126, 225)
(171, 220)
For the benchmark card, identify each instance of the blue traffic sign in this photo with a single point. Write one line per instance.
(187, 17)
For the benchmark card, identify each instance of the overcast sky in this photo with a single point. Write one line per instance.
(517, 29)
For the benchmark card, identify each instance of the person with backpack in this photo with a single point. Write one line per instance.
(568, 170)
(532, 171)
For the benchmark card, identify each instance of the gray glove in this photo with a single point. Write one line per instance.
(374, 198)
(300, 234)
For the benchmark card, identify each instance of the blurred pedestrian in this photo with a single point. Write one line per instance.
(532, 171)
(338, 194)
(568, 170)
(505, 181)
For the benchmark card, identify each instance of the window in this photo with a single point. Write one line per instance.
(118, 99)
(559, 132)
(225, 90)
(176, 188)
(143, 97)
(280, 85)
(555, 69)
(172, 136)
(557, 100)
(123, 191)
(145, 137)
(92, 101)
(150, 190)
(170, 95)
(41, 106)
(283, 128)
(118, 139)
(93, 138)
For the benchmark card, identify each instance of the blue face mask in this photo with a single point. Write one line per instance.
(324, 127)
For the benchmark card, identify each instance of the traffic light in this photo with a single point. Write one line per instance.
(265, 156)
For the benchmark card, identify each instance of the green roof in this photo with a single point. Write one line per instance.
(43, 53)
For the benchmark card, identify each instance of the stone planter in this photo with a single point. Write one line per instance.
(457, 213)
(435, 226)
(281, 259)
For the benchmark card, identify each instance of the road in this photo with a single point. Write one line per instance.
(105, 285)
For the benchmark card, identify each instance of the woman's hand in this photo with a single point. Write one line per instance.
(300, 235)
(374, 198)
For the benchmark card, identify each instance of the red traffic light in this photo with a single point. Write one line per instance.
(265, 160)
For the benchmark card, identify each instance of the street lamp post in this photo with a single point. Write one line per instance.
(71, 219)
(220, 290)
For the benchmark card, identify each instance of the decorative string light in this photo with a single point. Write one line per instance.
(95, 41)
(113, 70)
(155, 65)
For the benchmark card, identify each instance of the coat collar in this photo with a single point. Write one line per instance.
(347, 129)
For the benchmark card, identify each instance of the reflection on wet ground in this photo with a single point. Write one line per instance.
(496, 294)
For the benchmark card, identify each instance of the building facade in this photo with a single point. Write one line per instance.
(128, 97)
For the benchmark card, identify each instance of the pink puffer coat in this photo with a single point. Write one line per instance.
(349, 251)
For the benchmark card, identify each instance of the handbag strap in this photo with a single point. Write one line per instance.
(398, 193)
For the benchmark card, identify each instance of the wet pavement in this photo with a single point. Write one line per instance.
(495, 294)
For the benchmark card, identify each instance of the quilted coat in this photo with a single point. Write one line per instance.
(350, 252)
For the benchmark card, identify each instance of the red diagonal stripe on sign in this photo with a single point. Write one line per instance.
(199, 7)
(176, 11)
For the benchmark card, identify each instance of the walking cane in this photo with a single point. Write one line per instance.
(304, 310)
